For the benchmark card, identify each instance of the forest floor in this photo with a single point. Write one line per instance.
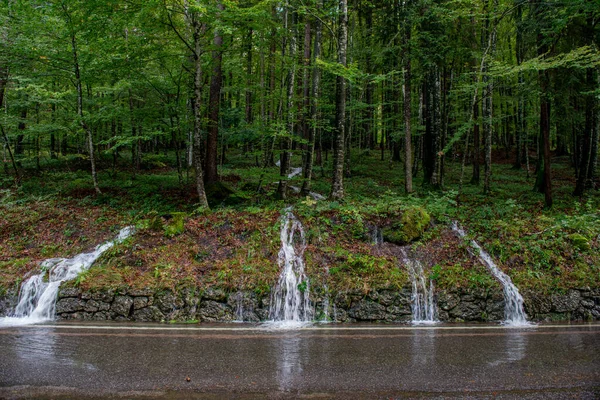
(56, 213)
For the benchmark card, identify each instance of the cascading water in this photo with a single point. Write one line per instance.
(422, 300)
(37, 298)
(290, 303)
(513, 301)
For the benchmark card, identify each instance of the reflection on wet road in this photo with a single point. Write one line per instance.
(356, 361)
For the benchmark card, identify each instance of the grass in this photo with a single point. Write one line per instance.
(235, 245)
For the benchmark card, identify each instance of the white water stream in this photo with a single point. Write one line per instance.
(37, 297)
(422, 300)
(513, 301)
(290, 303)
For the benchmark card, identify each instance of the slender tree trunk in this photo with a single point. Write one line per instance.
(314, 95)
(286, 143)
(408, 159)
(78, 86)
(3, 83)
(475, 179)
(212, 140)
(488, 114)
(197, 29)
(584, 178)
(337, 187)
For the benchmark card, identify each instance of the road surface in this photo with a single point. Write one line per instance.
(72, 361)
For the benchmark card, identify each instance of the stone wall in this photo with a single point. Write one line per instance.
(385, 305)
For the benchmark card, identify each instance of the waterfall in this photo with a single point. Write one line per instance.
(513, 301)
(37, 297)
(290, 303)
(422, 301)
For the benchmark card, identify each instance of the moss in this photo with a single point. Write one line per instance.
(580, 242)
(218, 193)
(175, 224)
(412, 225)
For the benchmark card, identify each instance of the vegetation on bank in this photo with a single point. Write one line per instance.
(235, 245)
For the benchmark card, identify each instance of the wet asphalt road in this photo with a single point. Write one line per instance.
(356, 361)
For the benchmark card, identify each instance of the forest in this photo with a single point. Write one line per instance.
(356, 112)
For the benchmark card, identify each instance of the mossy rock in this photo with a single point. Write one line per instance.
(171, 224)
(175, 223)
(221, 193)
(580, 242)
(411, 226)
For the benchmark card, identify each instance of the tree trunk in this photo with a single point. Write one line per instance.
(408, 187)
(314, 95)
(212, 140)
(286, 142)
(584, 177)
(197, 30)
(337, 187)
(78, 85)
(475, 179)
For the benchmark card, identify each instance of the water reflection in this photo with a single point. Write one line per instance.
(46, 348)
(423, 347)
(515, 347)
(289, 362)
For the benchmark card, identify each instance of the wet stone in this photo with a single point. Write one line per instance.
(366, 310)
(168, 302)
(69, 305)
(148, 314)
(566, 303)
(106, 297)
(447, 301)
(92, 306)
(212, 311)
(587, 303)
(68, 292)
(215, 295)
(140, 302)
(122, 305)
(140, 292)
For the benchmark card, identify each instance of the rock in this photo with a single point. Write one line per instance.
(122, 306)
(385, 297)
(92, 306)
(140, 292)
(140, 302)
(494, 309)
(366, 310)
(566, 303)
(148, 314)
(167, 302)
(103, 316)
(411, 226)
(215, 295)
(7, 305)
(262, 314)
(398, 310)
(447, 301)
(69, 305)
(106, 297)
(78, 315)
(212, 311)
(340, 315)
(467, 311)
(588, 303)
(68, 292)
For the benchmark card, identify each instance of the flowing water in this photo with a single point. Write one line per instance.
(513, 301)
(37, 298)
(422, 300)
(290, 303)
